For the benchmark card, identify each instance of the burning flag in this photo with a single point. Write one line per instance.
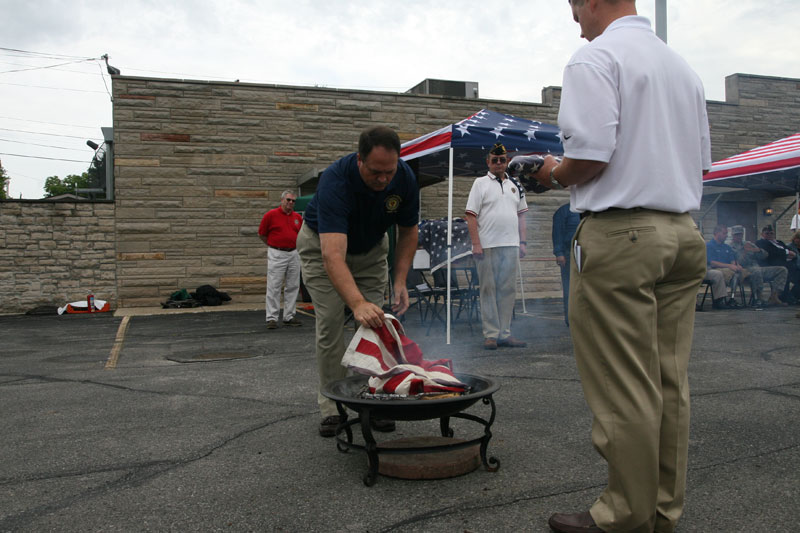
(395, 364)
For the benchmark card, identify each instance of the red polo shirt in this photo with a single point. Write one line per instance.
(280, 229)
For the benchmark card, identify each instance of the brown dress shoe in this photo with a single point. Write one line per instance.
(490, 344)
(511, 342)
(384, 426)
(573, 523)
(775, 301)
(327, 428)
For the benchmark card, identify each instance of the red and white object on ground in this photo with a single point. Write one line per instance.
(100, 306)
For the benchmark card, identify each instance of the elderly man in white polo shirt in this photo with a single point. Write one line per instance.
(636, 144)
(495, 212)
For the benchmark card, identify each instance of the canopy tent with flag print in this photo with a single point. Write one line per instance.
(471, 140)
(773, 168)
(460, 150)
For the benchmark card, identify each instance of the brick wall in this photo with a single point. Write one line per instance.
(55, 252)
(198, 163)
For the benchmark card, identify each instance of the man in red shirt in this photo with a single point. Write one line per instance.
(278, 230)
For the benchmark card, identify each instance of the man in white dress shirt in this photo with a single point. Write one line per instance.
(636, 144)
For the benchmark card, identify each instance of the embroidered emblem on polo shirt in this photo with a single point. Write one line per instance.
(296, 222)
(392, 203)
(513, 190)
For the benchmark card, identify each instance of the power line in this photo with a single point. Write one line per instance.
(13, 174)
(46, 87)
(51, 123)
(38, 55)
(57, 69)
(41, 54)
(45, 145)
(48, 66)
(104, 78)
(50, 158)
(41, 133)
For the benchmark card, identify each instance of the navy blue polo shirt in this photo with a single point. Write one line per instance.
(344, 204)
(721, 252)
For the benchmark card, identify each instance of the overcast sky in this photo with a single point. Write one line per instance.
(512, 49)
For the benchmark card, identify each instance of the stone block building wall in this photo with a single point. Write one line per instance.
(198, 163)
(56, 252)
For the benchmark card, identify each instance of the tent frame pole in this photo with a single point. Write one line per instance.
(521, 285)
(449, 237)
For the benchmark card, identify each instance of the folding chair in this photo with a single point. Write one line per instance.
(421, 292)
(440, 294)
(707, 283)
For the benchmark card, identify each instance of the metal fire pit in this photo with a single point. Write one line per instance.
(346, 393)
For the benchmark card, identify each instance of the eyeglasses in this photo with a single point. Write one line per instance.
(498, 160)
(292, 200)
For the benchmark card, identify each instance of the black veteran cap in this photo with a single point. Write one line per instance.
(498, 149)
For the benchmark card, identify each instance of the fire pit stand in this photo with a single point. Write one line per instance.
(346, 394)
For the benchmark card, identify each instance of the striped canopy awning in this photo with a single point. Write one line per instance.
(774, 168)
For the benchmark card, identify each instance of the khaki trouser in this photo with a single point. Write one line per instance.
(282, 266)
(631, 315)
(371, 276)
(497, 272)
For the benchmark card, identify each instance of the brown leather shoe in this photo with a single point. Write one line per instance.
(775, 301)
(511, 342)
(573, 523)
(490, 344)
(384, 426)
(327, 428)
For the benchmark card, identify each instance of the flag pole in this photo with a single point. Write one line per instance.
(449, 236)
(521, 287)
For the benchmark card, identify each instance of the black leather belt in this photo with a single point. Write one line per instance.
(610, 209)
(284, 249)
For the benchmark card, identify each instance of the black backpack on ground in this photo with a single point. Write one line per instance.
(208, 295)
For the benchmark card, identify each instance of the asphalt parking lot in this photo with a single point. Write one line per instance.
(208, 422)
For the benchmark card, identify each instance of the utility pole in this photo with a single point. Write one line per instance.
(661, 19)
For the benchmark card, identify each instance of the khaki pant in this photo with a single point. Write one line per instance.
(631, 315)
(371, 276)
(282, 266)
(497, 272)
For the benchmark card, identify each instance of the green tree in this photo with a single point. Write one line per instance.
(53, 186)
(3, 183)
(93, 178)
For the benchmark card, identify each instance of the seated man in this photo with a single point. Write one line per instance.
(722, 259)
(778, 254)
(748, 255)
(718, 287)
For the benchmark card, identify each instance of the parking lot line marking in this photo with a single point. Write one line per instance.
(117, 348)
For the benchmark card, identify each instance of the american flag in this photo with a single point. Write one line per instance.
(433, 237)
(471, 139)
(395, 364)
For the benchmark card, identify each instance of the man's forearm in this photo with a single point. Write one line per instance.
(577, 171)
(472, 226)
(569, 171)
(720, 264)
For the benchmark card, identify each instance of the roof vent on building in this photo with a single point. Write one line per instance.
(459, 89)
